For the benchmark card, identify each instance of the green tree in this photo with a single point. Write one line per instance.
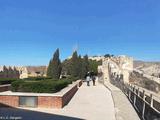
(86, 61)
(49, 69)
(75, 65)
(5, 72)
(10, 73)
(66, 67)
(108, 55)
(54, 67)
(84, 66)
(80, 67)
(93, 65)
(16, 73)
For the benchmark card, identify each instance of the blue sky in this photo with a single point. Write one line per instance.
(31, 30)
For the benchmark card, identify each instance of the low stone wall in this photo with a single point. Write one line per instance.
(68, 96)
(123, 108)
(147, 105)
(4, 87)
(80, 83)
(44, 100)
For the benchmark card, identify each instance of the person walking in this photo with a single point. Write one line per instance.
(94, 80)
(88, 80)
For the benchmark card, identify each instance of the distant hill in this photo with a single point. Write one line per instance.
(151, 68)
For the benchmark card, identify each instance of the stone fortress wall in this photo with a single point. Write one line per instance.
(119, 65)
(29, 71)
(146, 103)
(9, 72)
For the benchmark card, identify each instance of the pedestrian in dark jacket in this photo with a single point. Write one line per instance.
(94, 80)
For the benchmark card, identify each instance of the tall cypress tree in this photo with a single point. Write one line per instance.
(10, 73)
(54, 68)
(66, 67)
(75, 65)
(85, 66)
(5, 71)
(16, 73)
(86, 61)
(49, 72)
(80, 67)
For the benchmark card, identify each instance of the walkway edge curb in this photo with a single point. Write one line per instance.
(123, 108)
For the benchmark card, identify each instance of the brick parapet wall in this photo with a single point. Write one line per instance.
(52, 101)
(5, 87)
(12, 101)
(68, 96)
(49, 102)
(80, 83)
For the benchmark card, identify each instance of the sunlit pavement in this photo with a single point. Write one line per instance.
(90, 102)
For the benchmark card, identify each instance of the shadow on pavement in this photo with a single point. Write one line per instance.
(10, 113)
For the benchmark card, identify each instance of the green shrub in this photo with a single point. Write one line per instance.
(72, 78)
(42, 86)
(7, 80)
(61, 84)
(37, 78)
(15, 86)
(38, 87)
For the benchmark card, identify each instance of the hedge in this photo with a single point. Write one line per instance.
(7, 80)
(37, 78)
(71, 78)
(43, 86)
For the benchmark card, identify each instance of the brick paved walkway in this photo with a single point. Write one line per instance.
(91, 103)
